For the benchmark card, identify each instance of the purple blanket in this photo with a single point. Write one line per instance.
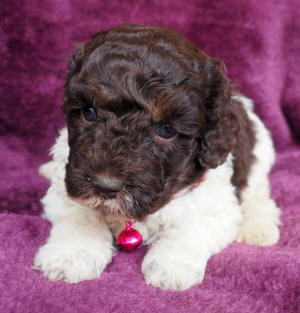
(260, 43)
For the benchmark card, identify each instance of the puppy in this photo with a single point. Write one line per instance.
(155, 134)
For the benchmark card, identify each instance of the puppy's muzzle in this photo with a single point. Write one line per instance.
(107, 185)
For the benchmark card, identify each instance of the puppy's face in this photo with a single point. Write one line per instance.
(147, 115)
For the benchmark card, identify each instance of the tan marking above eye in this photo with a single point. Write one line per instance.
(160, 106)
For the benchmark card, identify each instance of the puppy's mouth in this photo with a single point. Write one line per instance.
(108, 195)
(111, 194)
(116, 203)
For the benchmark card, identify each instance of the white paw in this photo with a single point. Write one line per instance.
(71, 263)
(165, 271)
(258, 232)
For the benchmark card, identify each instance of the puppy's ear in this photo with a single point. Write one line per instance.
(221, 118)
(75, 62)
(83, 51)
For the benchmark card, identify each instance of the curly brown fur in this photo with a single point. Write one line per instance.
(138, 78)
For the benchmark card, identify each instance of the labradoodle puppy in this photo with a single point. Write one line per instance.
(154, 134)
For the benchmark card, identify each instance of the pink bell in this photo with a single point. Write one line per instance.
(130, 239)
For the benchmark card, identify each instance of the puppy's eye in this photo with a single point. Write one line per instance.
(89, 114)
(166, 131)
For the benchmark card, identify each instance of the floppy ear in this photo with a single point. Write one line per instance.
(222, 126)
(75, 62)
(83, 51)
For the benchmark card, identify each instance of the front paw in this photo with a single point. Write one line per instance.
(258, 232)
(71, 263)
(172, 272)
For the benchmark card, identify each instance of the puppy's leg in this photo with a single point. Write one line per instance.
(177, 260)
(80, 243)
(260, 224)
(260, 214)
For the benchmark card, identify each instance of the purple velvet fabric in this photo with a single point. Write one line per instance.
(260, 43)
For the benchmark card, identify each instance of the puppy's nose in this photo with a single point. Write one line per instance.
(107, 184)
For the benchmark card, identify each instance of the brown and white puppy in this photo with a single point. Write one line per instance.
(148, 115)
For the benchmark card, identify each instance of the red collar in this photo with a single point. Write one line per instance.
(190, 188)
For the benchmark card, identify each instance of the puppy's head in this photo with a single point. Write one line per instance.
(147, 114)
